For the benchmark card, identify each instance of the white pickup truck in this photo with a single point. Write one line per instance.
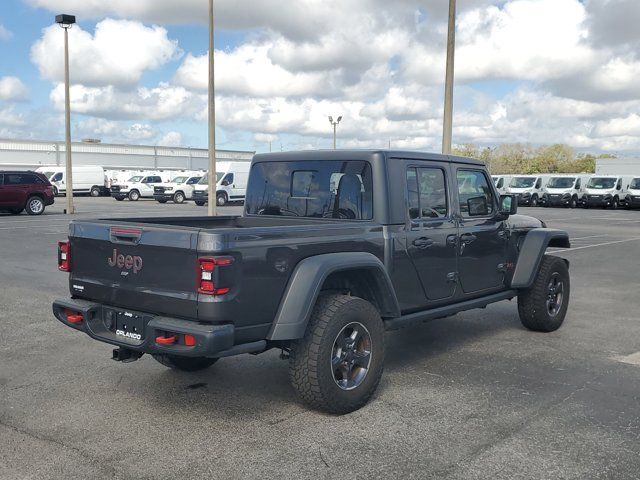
(177, 190)
(139, 186)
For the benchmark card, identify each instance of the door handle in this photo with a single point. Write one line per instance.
(423, 242)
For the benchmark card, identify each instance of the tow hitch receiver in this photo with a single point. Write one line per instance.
(125, 355)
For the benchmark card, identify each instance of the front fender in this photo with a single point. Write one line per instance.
(307, 280)
(533, 248)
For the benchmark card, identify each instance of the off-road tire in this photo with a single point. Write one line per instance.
(221, 199)
(532, 303)
(134, 195)
(310, 369)
(34, 206)
(178, 197)
(185, 364)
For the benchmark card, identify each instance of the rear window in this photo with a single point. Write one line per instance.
(317, 189)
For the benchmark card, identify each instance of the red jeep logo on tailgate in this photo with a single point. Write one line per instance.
(125, 261)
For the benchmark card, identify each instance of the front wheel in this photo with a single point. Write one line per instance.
(221, 199)
(615, 203)
(95, 191)
(178, 197)
(337, 365)
(534, 201)
(134, 195)
(543, 306)
(186, 364)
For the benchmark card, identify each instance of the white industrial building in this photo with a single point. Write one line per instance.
(30, 154)
(618, 166)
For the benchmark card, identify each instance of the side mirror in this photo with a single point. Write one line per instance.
(225, 183)
(508, 205)
(477, 206)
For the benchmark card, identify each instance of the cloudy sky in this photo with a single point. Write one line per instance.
(534, 71)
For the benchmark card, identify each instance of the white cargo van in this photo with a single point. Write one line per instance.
(231, 184)
(632, 200)
(528, 188)
(177, 190)
(565, 190)
(86, 179)
(606, 191)
(502, 183)
(138, 186)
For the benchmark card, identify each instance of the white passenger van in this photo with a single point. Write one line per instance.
(528, 188)
(502, 183)
(86, 179)
(632, 200)
(565, 190)
(607, 191)
(231, 184)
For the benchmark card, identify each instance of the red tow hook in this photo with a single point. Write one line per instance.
(166, 340)
(73, 317)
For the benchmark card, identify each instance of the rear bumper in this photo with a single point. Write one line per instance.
(210, 340)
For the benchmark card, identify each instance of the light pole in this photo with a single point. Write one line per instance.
(212, 119)
(66, 21)
(447, 130)
(335, 125)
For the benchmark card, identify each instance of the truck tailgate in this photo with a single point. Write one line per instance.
(139, 267)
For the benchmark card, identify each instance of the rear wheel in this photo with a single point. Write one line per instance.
(35, 206)
(200, 203)
(544, 305)
(186, 364)
(338, 363)
(162, 201)
(615, 203)
(574, 202)
(134, 195)
(119, 199)
(95, 191)
(178, 197)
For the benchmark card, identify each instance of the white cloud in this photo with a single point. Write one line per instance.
(5, 34)
(118, 53)
(171, 139)
(12, 89)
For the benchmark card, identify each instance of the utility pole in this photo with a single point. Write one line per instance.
(66, 22)
(447, 130)
(212, 119)
(335, 125)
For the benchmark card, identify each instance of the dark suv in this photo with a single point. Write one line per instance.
(28, 191)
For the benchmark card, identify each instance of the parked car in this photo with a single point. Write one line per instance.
(138, 186)
(30, 191)
(231, 184)
(632, 200)
(86, 179)
(333, 248)
(502, 183)
(564, 190)
(528, 188)
(177, 190)
(606, 191)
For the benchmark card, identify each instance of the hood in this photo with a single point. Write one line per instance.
(523, 222)
(600, 191)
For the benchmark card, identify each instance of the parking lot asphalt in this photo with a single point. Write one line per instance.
(471, 396)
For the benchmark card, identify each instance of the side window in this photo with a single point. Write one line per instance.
(500, 183)
(145, 180)
(578, 184)
(619, 185)
(156, 180)
(229, 178)
(538, 183)
(473, 184)
(193, 180)
(427, 193)
(16, 179)
(1, 179)
(57, 177)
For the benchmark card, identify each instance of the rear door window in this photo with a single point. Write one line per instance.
(427, 193)
(18, 179)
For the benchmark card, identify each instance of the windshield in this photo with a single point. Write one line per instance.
(522, 182)
(205, 180)
(135, 179)
(561, 182)
(601, 183)
(180, 179)
(635, 184)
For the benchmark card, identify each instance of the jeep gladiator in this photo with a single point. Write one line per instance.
(333, 248)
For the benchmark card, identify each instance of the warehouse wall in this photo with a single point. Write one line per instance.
(618, 166)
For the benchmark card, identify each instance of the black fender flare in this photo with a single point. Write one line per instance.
(532, 250)
(306, 282)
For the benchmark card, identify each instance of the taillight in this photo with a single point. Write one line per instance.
(64, 256)
(207, 275)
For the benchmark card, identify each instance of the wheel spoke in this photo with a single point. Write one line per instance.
(361, 359)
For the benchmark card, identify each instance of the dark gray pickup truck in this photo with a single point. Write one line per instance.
(334, 248)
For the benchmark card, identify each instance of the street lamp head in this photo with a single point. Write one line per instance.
(339, 118)
(330, 119)
(65, 21)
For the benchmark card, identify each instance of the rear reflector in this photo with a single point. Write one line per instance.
(64, 256)
(189, 340)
